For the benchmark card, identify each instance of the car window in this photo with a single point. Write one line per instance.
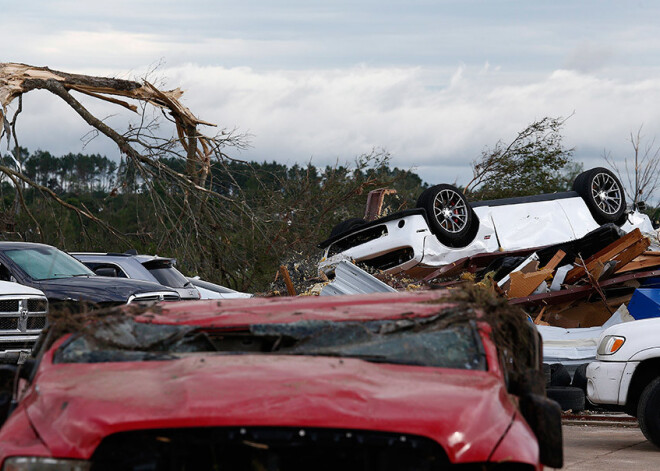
(167, 275)
(43, 263)
(422, 342)
(94, 266)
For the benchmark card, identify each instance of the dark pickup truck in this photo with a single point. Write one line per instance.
(63, 279)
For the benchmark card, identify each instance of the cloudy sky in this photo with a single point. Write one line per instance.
(433, 82)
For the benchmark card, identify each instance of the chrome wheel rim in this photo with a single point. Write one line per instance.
(606, 193)
(450, 211)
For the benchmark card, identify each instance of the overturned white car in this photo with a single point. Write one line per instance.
(445, 227)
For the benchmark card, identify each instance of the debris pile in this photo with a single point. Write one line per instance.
(575, 284)
(572, 291)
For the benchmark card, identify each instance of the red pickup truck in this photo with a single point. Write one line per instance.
(397, 381)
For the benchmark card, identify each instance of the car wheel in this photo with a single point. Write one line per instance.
(567, 397)
(603, 194)
(346, 226)
(580, 377)
(449, 215)
(648, 412)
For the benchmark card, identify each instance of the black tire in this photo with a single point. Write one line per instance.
(449, 215)
(648, 412)
(580, 377)
(346, 226)
(567, 397)
(603, 194)
(547, 373)
(559, 375)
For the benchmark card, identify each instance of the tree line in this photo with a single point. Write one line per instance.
(272, 212)
(177, 191)
(248, 217)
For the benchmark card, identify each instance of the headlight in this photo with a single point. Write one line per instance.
(610, 344)
(44, 464)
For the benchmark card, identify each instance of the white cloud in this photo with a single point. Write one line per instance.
(435, 120)
(327, 114)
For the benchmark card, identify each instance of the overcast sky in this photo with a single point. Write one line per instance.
(433, 82)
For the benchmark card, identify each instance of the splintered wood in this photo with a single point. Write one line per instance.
(524, 283)
(375, 200)
(287, 280)
(18, 79)
(621, 252)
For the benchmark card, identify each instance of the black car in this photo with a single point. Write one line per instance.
(63, 279)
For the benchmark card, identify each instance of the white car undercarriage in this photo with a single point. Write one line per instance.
(406, 240)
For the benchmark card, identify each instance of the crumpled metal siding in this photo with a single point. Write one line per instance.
(349, 279)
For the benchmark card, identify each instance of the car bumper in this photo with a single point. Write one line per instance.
(406, 232)
(15, 349)
(607, 381)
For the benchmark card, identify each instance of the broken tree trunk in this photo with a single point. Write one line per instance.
(192, 218)
(18, 79)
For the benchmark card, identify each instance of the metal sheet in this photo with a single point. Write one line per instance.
(572, 347)
(350, 279)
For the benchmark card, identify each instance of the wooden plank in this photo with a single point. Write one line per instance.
(632, 252)
(539, 319)
(375, 200)
(450, 269)
(555, 260)
(573, 293)
(477, 262)
(287, 280)
(604, 255)
(614, 248)
(647, 260)
(524, 284)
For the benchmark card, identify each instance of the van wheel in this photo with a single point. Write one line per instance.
(449, 215)
(603, 194)
(648, 412)
(567, 397)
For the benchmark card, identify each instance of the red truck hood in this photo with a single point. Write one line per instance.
(77, 405)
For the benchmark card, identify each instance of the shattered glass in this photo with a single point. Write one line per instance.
(429, 342)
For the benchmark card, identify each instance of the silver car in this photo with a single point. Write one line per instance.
(140, 267)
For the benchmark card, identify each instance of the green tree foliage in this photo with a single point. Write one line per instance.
(71, 172)
(534, 162)
(286, 211)
(248, 217)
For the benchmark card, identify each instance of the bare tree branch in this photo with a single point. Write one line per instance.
(641, 174)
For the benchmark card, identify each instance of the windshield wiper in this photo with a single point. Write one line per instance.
(67, 275)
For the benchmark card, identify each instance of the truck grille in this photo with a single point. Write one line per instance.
(21, 315)
(12, 323)
(9, 305)
(276, 448)
(150, 298)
